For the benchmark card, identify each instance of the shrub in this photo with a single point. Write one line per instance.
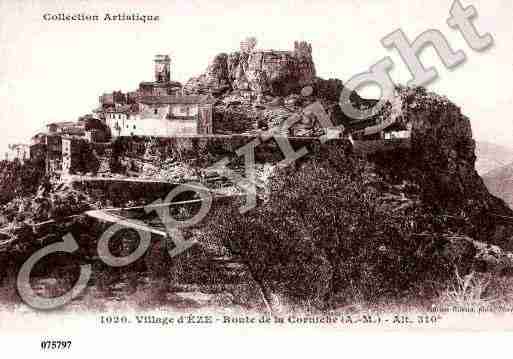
(19, 179)
(324, 230)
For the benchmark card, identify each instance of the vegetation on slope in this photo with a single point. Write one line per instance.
(333, 227)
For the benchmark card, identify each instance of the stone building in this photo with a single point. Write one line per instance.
(115, 118)
(166, 116)
(162, 68)
(95, 135)
(50, 145)
(248, 44)
(112, 99)
(47, 147)
(66, 128)
(162, 84)
(378, 134)
(38, 147)
(75, 155)
(53, 153)
(159, 88)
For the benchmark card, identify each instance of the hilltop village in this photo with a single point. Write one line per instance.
(240, 94)
(359, 213)
(156, 109)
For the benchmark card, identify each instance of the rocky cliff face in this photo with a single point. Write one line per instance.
(441, 166)
(271, 72)
(441, 140)
(261, 89)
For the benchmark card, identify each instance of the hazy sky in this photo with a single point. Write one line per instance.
(55, 71)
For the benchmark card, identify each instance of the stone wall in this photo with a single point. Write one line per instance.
(205, 150)
(116, 193)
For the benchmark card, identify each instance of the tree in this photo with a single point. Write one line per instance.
(325, 232)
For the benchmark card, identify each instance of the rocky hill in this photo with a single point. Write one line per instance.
(500, 183)
(260, 89)
(272, 72)
(336, 224)
(491, 156)
(385, 222)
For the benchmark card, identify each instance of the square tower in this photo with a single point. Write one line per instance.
(162, 68)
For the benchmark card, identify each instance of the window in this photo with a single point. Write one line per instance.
(156, 111)
(134, 127)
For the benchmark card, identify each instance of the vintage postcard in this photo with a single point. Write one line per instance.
(171, 168)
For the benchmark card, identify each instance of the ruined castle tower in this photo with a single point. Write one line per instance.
(162, 68)
(302, 49)
(248, 44)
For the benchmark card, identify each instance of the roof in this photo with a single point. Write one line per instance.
(63, 124)
(85, 117)
(162, 57)
(273, 51)
(14, 145)
(73, 138)
(161, 84)
(178, 99)
(119, 109)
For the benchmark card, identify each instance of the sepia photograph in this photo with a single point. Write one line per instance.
(171, 169)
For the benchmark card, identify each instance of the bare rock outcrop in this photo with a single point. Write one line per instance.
(464, 253)
(441, 164)
(273, 72)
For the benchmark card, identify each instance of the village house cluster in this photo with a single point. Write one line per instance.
(162, 109)
(156, 109)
